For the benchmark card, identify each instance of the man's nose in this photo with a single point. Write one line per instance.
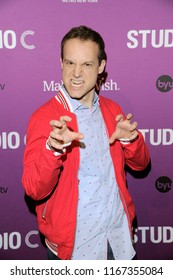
(77, 72)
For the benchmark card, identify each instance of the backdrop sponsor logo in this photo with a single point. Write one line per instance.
(80, 1)
(110, 85)
(145, 234)
(11, 140)
(164, 83)
(160, 234)
(158, 136)
(51, 86)
(150, 38)
(2, 87)
(3, 190)
(9, 39)
(163, 184)
(14, 240)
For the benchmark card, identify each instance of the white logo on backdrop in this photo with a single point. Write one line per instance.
(155, 137)
(158, 136)
(14, 240)
(160, 234)
(8, 39)
(110, 85)
(146, 38)
(80, 1)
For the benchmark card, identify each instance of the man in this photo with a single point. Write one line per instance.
(77, 146)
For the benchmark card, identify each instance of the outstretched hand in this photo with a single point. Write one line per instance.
(61, 134)
(125, 130)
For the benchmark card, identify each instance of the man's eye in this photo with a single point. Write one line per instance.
(69, 62)
(88, 64)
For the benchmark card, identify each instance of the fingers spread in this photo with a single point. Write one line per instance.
(64, 119)
(61, 122)
(112, 138)
(129, 116)
(133, 126)
(119, 117)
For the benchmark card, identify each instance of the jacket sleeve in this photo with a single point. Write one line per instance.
(136, 154)
(41, 167)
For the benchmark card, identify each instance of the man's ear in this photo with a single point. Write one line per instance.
(61, 63)
(102, 66)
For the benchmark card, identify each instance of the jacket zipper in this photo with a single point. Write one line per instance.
(44, 211)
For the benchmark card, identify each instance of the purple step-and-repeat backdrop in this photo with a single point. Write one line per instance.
(139, 45)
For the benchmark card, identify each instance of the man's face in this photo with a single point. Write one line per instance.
(80, 69)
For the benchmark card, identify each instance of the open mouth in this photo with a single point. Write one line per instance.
(77, 83)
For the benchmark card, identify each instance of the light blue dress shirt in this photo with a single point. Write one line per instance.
(100, 216)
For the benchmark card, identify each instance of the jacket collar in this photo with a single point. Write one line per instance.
(63, 98)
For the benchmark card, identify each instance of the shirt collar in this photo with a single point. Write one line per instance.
(76, 105)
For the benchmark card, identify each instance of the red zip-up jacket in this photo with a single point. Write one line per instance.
(53, 180)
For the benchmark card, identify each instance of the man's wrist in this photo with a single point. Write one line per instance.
(57, 152)
(124, 140)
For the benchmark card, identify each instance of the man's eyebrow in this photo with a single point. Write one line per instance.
(70, 60)
(89, 61)
(66, 59)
